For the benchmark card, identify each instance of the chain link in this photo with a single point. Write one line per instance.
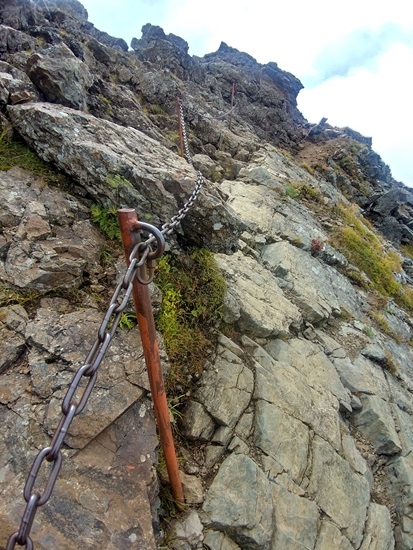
(85, 378)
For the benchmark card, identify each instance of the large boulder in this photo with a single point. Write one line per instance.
(61, 76)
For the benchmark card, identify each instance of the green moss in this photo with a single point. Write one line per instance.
(14, 152)
(117, 181)
(193, 293)
(358, 241)
(106, 219)
(156, 109)
(297, 241)
(106, 103)
(296, 190)
(40, 42)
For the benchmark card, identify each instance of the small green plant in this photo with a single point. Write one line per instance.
(174, 405)
(170, 507)
(384, 326)
(308, 168)
(106, 219)
(345, 314)
(127, 320)
(297, 241)
(40, 42)
(369, 331)
(309, 193)
(291, 191)
(407, 250)
(357, 277)
(23, 296)
(389, 363)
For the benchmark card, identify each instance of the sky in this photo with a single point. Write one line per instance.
(354, 58)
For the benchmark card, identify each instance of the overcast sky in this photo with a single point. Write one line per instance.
(355, 58)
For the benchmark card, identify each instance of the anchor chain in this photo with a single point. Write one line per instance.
(142, 267)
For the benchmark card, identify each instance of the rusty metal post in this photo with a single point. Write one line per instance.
(181, 136)
(128, 222)
(232, 106)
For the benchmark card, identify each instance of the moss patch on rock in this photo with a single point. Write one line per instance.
(193, 291)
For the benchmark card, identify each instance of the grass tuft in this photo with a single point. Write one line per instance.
(193, 291)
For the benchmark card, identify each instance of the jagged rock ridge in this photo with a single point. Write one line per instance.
(300, 426)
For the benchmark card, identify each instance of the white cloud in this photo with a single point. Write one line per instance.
(374, 102)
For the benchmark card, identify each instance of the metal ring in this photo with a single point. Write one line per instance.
(160, 239)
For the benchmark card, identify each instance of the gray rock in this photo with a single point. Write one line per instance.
(263, 308)
(352, 454)
(313, 364)
(225, 390)
(13, 320)
(61, 76)
(379, 535)
(296, 521)
(244, 426)
(362, 376)
(374, 352)
(13, 40)
(247, 521)
(375, 421)
(400, 476)
(13, 386)
(261, 208)
(222, 435)
(316, 301)
(64, 341)
(341, 493)
(282, 385)
(330, 537)
(215, 540)
(236, 445)
(48, 249)
(192, 488)
(15, 86)
(197, 423)
(189, 528)
(97, 490)
(213, 453)
(93, 151)
(282, 437)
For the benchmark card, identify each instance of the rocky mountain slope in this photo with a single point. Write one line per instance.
(297, 431)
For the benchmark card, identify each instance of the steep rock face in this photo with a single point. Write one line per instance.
(300, 425)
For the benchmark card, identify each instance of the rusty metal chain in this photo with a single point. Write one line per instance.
(142, 267)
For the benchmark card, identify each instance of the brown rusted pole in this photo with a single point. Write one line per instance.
(181, 137)
(128, 222)
(232, 105)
